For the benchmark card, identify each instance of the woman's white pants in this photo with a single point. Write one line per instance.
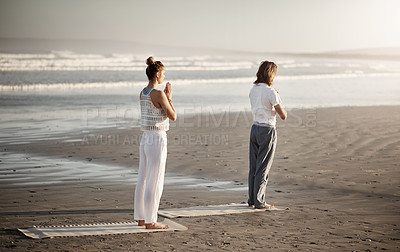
(153, 156)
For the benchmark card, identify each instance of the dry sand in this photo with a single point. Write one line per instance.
(336, 168)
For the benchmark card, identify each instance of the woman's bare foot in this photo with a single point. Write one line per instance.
(141, 223)
(156, 225)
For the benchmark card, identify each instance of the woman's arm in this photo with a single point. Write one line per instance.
(167, 105)
(162, 99)
(281, 111)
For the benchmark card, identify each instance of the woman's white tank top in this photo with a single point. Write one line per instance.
(152, 118)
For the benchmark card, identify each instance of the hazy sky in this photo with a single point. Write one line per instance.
(252, 25)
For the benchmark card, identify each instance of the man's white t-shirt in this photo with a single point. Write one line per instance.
(263, 99)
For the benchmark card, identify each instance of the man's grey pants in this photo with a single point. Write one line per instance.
(263, 141)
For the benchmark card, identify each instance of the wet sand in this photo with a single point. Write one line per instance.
(337, 169)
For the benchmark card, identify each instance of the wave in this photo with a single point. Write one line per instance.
(347, 74)
(298, 65)
(64, 86)
(184, 82)
(116, 68)
(68, 61)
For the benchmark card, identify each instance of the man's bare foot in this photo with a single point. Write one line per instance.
(267, 206)
(156, 225)
(141, 223)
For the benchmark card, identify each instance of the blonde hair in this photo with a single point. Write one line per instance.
(153, 67)
(266, 72)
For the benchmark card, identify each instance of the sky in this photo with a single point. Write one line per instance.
(252, 25)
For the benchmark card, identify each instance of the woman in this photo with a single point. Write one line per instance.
(265, 103)
(156, 110)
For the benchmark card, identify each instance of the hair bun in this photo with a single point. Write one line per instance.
(150, 61)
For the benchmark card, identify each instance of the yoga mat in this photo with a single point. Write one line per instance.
(96, 229)
(232, 208)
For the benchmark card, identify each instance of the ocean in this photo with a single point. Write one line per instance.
(48, 94)
(51, 96)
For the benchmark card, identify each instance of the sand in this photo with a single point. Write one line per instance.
(337, 169)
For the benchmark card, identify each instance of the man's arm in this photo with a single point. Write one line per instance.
(281, 111)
